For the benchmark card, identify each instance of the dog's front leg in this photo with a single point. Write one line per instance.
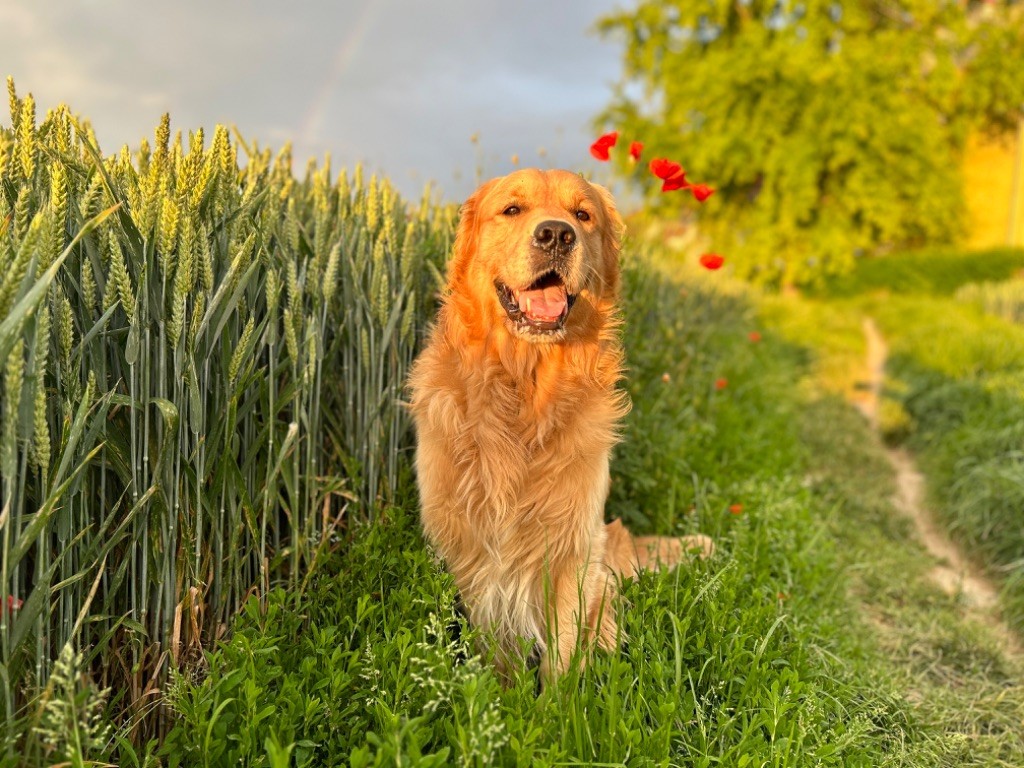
(579, 612)
(563, 622)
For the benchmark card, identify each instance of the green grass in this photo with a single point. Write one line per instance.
(955, 370)
(965, 401)
(935, 272)
(832, 331)
(1005, 299)
(963, 686)
(766, 655)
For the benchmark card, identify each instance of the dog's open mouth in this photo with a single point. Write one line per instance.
(541, 307)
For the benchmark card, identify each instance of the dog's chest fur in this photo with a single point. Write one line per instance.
(512, 461)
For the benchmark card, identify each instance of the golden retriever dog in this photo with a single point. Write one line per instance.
(516, 410)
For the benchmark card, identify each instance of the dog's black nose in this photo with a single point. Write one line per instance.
(555, 236)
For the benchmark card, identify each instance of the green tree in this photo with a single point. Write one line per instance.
(830, 129)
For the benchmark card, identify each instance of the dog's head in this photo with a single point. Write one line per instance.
(537, 253)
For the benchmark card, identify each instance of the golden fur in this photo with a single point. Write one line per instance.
(515, 427)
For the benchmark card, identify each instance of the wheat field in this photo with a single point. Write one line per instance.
(203, 355)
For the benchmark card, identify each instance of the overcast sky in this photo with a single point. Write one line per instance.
(398, 84)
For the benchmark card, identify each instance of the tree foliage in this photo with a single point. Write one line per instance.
(830, 129)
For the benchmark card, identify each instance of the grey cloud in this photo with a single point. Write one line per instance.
(400, 85)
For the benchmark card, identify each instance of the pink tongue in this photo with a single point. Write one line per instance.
(543, 303)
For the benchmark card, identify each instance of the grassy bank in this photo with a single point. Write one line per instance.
(764, 655)
(964, 400)
(954, 391)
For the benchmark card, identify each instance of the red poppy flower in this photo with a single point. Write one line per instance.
(702, 192)
(735, 508)
(675, 182)
(599, 148)
(711, 261)
(754, 337)
(664, 168)
(635, 149)
(721, 384)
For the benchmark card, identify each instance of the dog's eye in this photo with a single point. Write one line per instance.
(512, 210)
(582, 215)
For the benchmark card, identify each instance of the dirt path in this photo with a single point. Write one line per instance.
(953, 572)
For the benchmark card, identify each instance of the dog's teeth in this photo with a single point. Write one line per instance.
(529, 301)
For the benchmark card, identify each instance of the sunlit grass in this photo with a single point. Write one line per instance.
(733, 661)
(767, 654)
(934, 272)
(954, 392)
(1004, 299)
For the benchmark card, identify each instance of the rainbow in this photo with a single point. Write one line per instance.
(313, 120)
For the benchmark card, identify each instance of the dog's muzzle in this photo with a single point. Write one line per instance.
(542, 307)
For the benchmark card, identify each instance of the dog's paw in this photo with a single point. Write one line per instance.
(665, 552)
(698, 545)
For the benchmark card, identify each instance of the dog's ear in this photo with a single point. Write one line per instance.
(611, 237)
(466, 235)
